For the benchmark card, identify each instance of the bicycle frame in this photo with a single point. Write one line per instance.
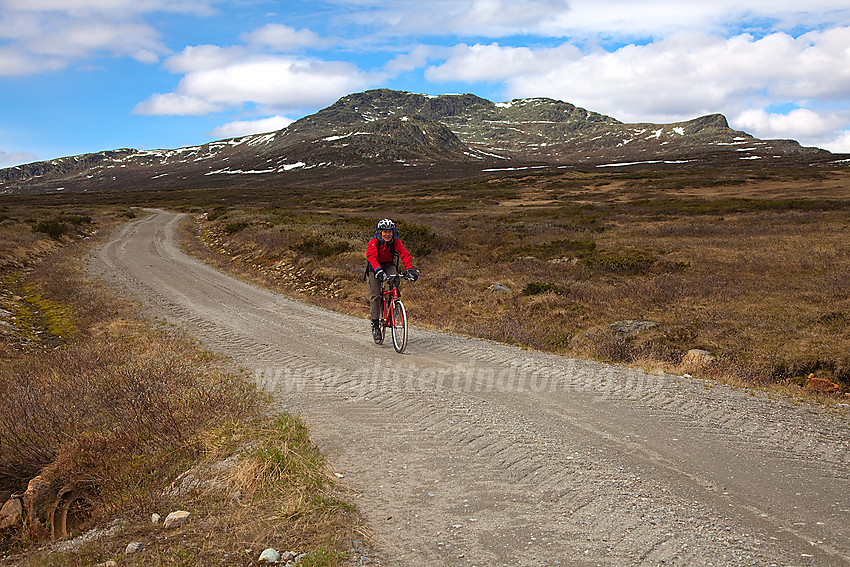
(393, 314)
(389, 293)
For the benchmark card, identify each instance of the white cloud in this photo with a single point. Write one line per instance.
(662, 17)
(83, 38)
(414, 59)
(247, 127)
(499, 17)
(490, 18)
(815, 65)
(672, 79)
(800, 123)
(839, 143)
(279, 37)
(204, 57)
(16, 158)
(47, 35)
(175, 104)
(488, 63)
(809, 127)
(18, 62)
(684, 58)
(584, 18)
(219, 78)
(77, 7)
(668, 80)
(221, 81)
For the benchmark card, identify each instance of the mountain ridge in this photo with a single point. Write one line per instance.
(378, 132)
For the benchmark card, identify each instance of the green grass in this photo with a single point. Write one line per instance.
(58, 318)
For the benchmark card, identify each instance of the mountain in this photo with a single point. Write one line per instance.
(392, 136)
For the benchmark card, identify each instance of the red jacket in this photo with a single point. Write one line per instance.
(378, 253)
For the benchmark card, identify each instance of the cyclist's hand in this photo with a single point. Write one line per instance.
(380, 275)
(412, 275)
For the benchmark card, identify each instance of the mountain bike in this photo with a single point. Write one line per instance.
(393, 314)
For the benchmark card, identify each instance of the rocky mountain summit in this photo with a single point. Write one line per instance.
(392, 135)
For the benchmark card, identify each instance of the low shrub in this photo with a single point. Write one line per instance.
(111, 387)
(217, 213)
(59, 225)
(54, 228)
(76, 220)
(419, 239)
(234, 227)
(555, 249)
(603, 345)
(622, 263)
(319, 246)
(536, 288)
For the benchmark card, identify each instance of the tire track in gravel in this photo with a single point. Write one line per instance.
(467, 452)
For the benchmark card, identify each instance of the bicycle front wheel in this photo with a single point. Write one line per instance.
(399, 328)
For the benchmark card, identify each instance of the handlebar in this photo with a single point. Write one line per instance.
(400, 276)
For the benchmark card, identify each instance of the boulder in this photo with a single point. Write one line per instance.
(134, 547)
(11, 513)
(35, 501)
(269, 555)
(697, 359)
(632, 326)
(175, 519)
(496, 288)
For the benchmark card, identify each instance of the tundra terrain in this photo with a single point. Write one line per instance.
(468, 452)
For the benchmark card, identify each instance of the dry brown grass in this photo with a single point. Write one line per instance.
(261, 483)
(750, 265)
(754, 268)
(93, 397)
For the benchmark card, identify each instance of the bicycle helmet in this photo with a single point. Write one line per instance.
(385, 224)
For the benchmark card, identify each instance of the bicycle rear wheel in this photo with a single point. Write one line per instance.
(399, 328)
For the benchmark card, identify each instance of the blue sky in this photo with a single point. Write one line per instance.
(80, 76)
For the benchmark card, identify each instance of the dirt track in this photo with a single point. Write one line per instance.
(468, 452)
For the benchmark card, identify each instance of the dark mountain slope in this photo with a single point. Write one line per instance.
(385, 134)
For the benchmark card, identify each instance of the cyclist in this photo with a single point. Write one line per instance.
(382, 254)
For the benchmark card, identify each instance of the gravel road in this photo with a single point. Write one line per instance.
(467, 452)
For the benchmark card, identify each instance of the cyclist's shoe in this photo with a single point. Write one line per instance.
(376, 330)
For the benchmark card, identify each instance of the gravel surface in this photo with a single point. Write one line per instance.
(468, 452)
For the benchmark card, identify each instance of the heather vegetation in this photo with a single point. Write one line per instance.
(635, 267)
(749, 265)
